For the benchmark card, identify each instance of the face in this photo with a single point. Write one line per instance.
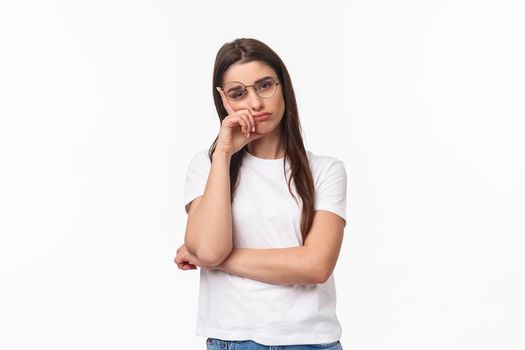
(248, 73)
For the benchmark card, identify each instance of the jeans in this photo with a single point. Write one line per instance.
(219, 344)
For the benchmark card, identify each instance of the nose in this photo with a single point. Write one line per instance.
(254, 100)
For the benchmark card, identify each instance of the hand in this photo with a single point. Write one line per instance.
(187, 261)
(237, 128)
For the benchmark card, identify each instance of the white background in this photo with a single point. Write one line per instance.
(103, 104)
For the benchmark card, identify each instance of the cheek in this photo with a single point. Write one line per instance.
(281, 107)
(278, 105)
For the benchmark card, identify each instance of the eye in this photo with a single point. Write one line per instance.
(237, 94)
(265, 85)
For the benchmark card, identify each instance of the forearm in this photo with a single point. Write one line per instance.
(278, 266)
(209, 229)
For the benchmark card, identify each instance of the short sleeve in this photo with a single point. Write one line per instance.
(196, 176)
(331, 191)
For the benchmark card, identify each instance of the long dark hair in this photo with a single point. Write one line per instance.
(246, 50)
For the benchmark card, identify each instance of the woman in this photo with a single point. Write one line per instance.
(265, 216)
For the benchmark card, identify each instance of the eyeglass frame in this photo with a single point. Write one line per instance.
(276, 82)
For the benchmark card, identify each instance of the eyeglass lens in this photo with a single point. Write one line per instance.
(236, 91)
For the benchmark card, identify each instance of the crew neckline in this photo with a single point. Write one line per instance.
(254, 158)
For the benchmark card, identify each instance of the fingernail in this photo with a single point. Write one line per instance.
(253, 129)
(219, 90)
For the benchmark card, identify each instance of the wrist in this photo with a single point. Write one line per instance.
(221, 155)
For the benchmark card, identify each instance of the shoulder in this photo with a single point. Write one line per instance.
(201, 156)
(202, 153)
(330, 182)
(321, 164)
(199, 163)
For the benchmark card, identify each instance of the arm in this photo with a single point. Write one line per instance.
(208, 233)
(311, 263)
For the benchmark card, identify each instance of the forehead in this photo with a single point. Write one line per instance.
(247, 73)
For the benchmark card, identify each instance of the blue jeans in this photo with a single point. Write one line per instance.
(219, 344)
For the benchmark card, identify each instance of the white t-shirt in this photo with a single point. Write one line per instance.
(265, 215)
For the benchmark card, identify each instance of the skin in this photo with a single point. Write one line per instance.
(315, 260)
(268, 146)
(265, 140)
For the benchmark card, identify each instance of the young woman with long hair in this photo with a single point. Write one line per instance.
(265, 216)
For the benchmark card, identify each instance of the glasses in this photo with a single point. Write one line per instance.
(236, 91)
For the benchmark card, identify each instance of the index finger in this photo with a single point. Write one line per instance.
(225, 102)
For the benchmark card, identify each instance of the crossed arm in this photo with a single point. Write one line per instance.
(310, 263)
(208, 240)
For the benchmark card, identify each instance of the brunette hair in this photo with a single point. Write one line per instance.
(246, 50)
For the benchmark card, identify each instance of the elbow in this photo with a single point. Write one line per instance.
(321, 275)
(211, 256)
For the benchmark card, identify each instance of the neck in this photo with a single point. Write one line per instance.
(267, 147)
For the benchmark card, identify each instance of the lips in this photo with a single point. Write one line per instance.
(261, 116)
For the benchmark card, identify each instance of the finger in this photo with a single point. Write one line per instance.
(183, 263)
(237, 119)
(229, 122)
(225, 101)
(245, 115)
(251, 119)
(255, 136)
(233, 121)
(179, 259)
(245, 125)
(188, 267)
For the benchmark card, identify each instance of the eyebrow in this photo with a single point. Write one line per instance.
(263, 78)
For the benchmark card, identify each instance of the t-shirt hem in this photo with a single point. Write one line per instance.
(191, 196)
(284, 339)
